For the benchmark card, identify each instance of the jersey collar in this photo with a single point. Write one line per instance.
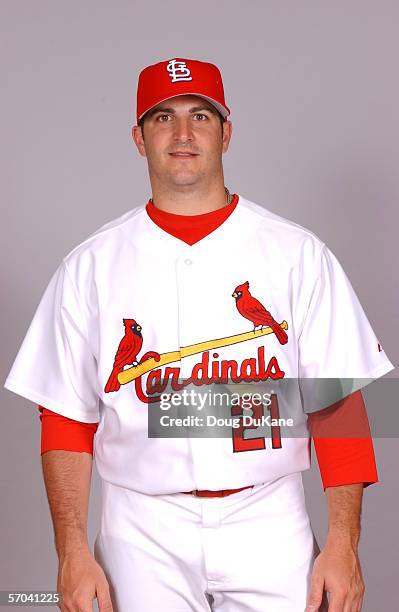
(147, 236)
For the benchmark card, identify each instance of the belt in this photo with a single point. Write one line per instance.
(221, 493)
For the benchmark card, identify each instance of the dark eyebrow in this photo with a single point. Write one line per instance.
(194, 109)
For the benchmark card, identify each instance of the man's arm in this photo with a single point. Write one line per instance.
(67, 476)
(337, 568)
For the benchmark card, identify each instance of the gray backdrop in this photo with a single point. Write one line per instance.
(314, 96)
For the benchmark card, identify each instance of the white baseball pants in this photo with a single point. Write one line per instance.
(251, 551)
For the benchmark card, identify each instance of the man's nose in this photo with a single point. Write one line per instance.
(183, 129)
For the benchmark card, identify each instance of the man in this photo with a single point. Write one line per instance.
(141, 308)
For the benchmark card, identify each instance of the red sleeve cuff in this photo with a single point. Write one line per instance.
(345, 461)
(61, 433)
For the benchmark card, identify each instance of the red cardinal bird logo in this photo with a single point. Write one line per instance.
(127, 352)
(250, 308)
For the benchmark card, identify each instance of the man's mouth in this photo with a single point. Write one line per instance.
(183, 154)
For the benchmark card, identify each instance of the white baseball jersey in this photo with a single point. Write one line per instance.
(132, 308)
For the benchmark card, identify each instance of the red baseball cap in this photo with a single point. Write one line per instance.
(176, 77)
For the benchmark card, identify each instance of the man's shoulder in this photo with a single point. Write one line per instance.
(104, 239)
(279, 229)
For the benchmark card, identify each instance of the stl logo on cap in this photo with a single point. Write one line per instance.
(178, 71)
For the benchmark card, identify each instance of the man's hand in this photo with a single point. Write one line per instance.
(337, 571)
(80, 580)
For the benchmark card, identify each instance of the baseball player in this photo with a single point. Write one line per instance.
(194, 289)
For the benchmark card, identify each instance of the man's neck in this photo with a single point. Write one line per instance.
(191, 203)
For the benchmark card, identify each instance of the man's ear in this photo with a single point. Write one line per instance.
(226, 136)
(138, 138)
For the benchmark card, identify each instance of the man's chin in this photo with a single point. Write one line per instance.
(184, 180)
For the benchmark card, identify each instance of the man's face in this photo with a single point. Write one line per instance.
(183, 141)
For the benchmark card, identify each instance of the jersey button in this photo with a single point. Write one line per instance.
(188, 262)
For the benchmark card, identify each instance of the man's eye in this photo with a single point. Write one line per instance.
(201, 115)
(161, 118)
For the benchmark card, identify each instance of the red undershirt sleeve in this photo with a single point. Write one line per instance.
(62, 433)
(343, 443)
